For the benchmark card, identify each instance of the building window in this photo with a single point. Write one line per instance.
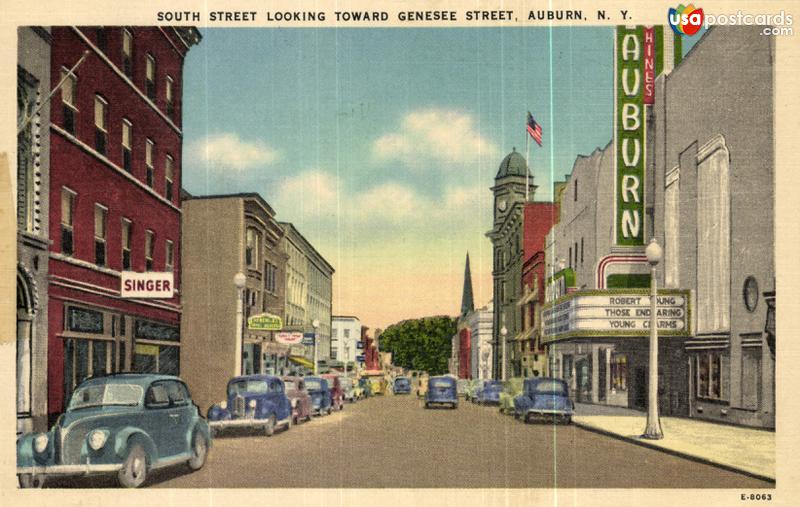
(100, 214)
(67, 212)
(713, 244)
(127, 52)
(68, 93)
(251, 250)
(170, 84)
(270, 273)
(100, 128)
(170, 256)
(713, 371)
(576, 254)
(127, 134)
(150, 78)
(149, 239)
(346, 334)
(575, 198)
(102, 39)
(149, 147)
(127, 227)
(619, 372)
(168, 177)
(581, 251)
(570, 257)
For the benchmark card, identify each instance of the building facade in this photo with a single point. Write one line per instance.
(345, 339)
(479, 323)
(309, 291)
(510, 195)
(223, 235)
(33, 195)
(115, 174)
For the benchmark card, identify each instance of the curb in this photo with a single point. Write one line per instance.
(680, 454)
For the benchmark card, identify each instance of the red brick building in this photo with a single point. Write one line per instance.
(115, 203)
(464, 353)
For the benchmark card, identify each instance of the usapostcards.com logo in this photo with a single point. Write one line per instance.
(685, 20)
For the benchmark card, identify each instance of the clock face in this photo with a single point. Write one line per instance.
(502, 204)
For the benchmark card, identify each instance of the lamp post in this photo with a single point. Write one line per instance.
(315, 325)
(239, 280)
(503, 333)
(653, 429)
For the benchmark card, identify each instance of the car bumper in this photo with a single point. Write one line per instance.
(542, 411)
(237, 423)
(80, 469)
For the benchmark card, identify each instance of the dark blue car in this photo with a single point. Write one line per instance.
(489, 393)
(544, 397)
(321, 402)
(402, 385)
(254, 401)
(126, 424)
(441, 391)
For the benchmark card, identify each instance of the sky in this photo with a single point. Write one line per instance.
(380, 145)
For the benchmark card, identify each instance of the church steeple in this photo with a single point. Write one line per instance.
(467, 304)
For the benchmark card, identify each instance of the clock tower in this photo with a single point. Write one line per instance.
(509, 185)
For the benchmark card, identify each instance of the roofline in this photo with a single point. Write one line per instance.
(240, 195)
(345, 317)
(308, 244)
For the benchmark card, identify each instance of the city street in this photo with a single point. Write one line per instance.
(392, 442)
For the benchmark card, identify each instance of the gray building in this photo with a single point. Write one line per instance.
(33, 162)
(507, 244)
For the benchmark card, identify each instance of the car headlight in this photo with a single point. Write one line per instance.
(40, 443)
(223, 405)
(97, 439)
(252, 404)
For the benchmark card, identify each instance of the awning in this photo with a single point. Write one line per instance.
(302, 361)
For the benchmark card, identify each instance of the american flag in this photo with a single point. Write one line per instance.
(534, 129)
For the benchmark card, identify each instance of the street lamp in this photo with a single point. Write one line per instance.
(653, 429)
(239, 280)
(503, 333)
(315, 325)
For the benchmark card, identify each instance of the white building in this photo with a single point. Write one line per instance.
(345, 338)
(480, 325)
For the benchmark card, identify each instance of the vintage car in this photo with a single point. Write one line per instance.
(471, 387)
(348, 389)
(253, 401)
(422, 386)
(441, 391)
(299, 398)
(511, 389)
(320, 395)
(402, 385)
(546, 398)
(127, 424)
(489, 392)
(337, 394)
(378, 383)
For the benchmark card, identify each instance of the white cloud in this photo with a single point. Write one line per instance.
(435, 136)
(312, 192)
(228, 151)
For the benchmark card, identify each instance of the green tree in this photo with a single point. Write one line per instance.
(420, 344)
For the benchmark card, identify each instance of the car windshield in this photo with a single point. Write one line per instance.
(493, 384)
(248, 386)
(401, 381)
(100, 395)
(550, 387)
(441, 382)
(313, 384)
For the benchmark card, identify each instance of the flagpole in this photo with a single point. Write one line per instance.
(527, 157)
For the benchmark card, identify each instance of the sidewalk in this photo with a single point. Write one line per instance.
(738, 448)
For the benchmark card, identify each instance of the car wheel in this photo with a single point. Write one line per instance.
(454, 406)
(134, 468)
(427, 405)
(199, 451)
(527, 418)
(568, 420)
(330, 409)
(516, 415)
(31, 480)
(295, 418)
(341, 406)
(269, 429)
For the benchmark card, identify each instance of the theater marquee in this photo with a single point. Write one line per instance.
(612, 313)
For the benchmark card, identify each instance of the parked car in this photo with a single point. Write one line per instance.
(378, 383)
(544, 397)
(335, 387)
(402, 385)
(442, 390)
(363, 389)
(299, 398)
(422, 386)
(348, 389)
(320, 395)
(127, 424)
(253, 401)
(461, 386)
(471, 387)
(489, 393)
(511, 389)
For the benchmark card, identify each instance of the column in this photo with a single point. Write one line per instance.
(607, 387)
(595, 374)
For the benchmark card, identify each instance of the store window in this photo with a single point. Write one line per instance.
(100, 124)
(619, 372)
(67, 211)
(68, 94)
(151, 355)
(713, 375)
(100, 214)
(127, 138)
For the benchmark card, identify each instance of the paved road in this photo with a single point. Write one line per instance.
(392, 442)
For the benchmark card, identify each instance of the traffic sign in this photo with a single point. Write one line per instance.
(360, 359)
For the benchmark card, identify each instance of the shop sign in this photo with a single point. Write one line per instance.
(308, 339)
(360, 359)
(146, 350)
(616, 314)
(151, 284)
(265, 322)
(289, 337)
